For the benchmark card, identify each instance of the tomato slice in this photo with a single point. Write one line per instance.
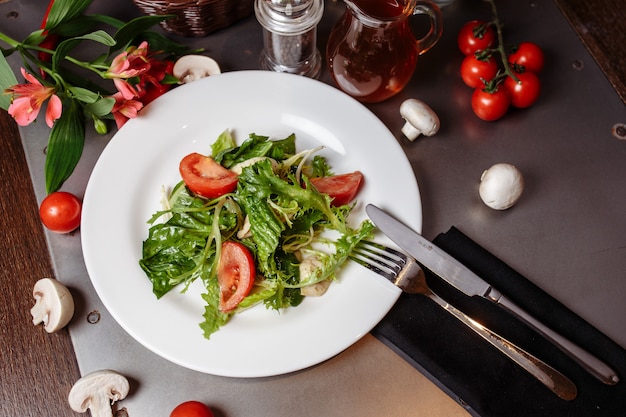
(235, 274)
(205, 177)
(341, 188)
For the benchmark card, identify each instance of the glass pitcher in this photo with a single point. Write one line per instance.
(372, 51)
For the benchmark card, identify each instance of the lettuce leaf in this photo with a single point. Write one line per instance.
(287, 216)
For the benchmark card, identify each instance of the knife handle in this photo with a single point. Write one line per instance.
(593, 365)
(548, 376)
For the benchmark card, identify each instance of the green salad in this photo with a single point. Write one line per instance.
(274, 231)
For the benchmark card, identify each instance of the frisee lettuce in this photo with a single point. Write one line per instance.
(288, 220)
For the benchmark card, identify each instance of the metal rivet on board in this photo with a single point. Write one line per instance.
(93, 317)
(578, 65)
(619, 131)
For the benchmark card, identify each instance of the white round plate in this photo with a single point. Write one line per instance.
(124, 191)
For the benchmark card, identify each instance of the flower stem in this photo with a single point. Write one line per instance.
(86, 65)
(12, 42)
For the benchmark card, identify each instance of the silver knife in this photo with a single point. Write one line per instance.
(458, 275)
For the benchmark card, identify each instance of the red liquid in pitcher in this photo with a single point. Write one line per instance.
(382, 9)
(372, 62)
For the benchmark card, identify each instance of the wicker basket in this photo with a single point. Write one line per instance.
(197, 17)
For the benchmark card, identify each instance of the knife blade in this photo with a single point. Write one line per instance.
(458, 275)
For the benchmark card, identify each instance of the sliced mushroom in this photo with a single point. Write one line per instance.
(245, 232)
(193, 67)
(316, 290)
(238, 168)
(54, 305)
(419, 119)
(308, 266)
(97, 392)
(501, 186)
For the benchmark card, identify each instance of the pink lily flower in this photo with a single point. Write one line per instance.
(125, 89)
(130, 63)
(29, 98)
(124, 109)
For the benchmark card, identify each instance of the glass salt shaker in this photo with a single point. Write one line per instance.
(290, 35)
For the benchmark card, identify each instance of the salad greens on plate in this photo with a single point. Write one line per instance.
(284, 213)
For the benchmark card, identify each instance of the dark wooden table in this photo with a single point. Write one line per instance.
(38, 369)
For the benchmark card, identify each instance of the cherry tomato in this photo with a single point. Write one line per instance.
(205, 177)
(235, 274)
(475, 72)
(341, 188)
(191, 409)
(475, 35)
(60, 212)
(524, 93)
(528, 55)
(489, 105)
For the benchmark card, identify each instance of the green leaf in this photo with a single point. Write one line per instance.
(83, 24)
(99, 36)
(213, 317)
(64, 10)
(7, 79)
(102, 107)
(158, 42)
(67, 45)
(34, 38)
(131, 30)
(84, 95)
(65, 147)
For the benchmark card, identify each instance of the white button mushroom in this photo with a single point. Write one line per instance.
(193, 67)
(420, 119)
(97, 391)
(54, 305)
(501, 186)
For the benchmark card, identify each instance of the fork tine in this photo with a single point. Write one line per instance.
(384, 261)
(382, 249)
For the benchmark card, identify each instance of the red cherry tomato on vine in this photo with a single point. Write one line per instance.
(60, 212)
(528, 55)
(235, 274)
(490, 105)
(475, 35)
(476, 72)
(191, 409)
(525, 92)
(205, 177)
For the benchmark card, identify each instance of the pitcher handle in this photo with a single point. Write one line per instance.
(436, 24)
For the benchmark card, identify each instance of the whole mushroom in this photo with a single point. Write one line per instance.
(419, 119)
(54, 305)
(194, 67)
(501, 186)
(97, 392)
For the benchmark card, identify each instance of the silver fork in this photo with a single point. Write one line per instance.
(407, 274)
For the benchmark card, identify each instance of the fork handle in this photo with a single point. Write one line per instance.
(548, 376)
(592, 364)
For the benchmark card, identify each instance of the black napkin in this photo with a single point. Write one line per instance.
(476, 374)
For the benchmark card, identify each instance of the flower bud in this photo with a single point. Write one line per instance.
(100, 126)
